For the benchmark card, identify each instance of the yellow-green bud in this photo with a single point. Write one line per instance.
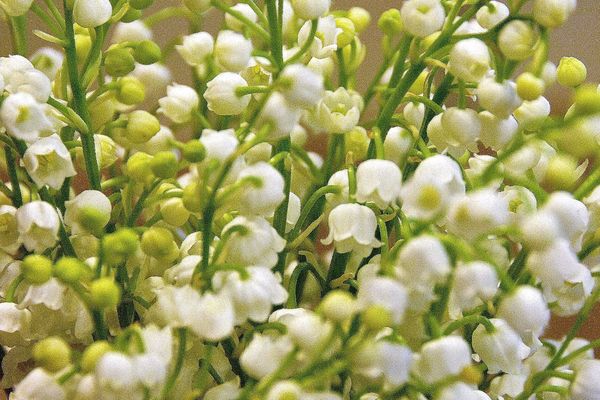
(587, 100)
(131, 15)
(561, 172)
(174, 212)
(130, 91)
(529, 86)
(92, 220)
(147, 52)
(104, 293)
(571, 72)
(52, 353)
(194, 151)
(140, 4)
(141, 126)
(354, 55)
(390, 22)
(348, 32)
(119, 61)
(359, 17)
(376, 317)
(119, 245)
(419, 83)
(71, 270)
(357, 141)
(159, 243)
(138, 167)
(191, 197)
(338, 306)
(36, 269)
(164, 164)
(93, 353)
(83, 44)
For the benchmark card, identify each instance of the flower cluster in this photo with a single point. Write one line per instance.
(160, 240)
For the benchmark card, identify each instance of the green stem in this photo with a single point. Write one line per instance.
(79, 102)
(343, 75)
(181, 348)
(10, 292)
(19, 34)
(275, 34)
(306, 46)
(11, 166)
(337, 267)
(469, 320)
(310, 203)
(280, 217)
(589, 184)
(259, 30)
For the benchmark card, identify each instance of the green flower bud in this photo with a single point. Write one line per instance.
(147, 52)
(83, 44)
(174, 212)
(71, 270)
(92, 220)
(118, 61)
(359, 17)
(119, 245)
(348, 31)
(141, 126)
(376, 317)
(357, 141)
(131, 15)
(164, 164)
(354, 55)
(92, 354)
(130, 90)
(561, 172)
(571, 72)
(140, 4)
(194, 151)
(337, 306)
(138, 168)
(587, 100)
(529, 86)
(52, 353)
(104, 293)
(191, 197)
(36, 269)
(390, 22)
(159, 243)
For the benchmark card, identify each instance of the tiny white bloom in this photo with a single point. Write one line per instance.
(301, 86)
(221, 94)
(397, 144)
(586, 385)
(48, 162)
(442, 358)
(23, 117)
(531, 114)
(553, 13)
(179, 104)
(8, 227)
(310, 9)
(352, 228)
(38, 223)
(456, 130)
(378, 181)
(325, 42)
(38, 385)
(422, 17)
(501, 350)
(492, 14)
(499, 98)
(478, 213)
(386, 293)
(469, 60)
(526, 311)
(262, 197)
(279, 116)
(265, 354)
(474, 283)
(496, 133)
(134, 31)
(339, 111)
(232, 50)
(196, 47)
(517, 40)
(15, 324)
(88, 199)
(91, 13)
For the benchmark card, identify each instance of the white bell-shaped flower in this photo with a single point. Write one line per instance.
(196, 47)
(218, 144)
(232, 51)
(442, 358)
(496, 133)
(39, 384)
(234, 23)
(424, 260)
(134, 31)
(23, 117)
(38, 223)
(301, 86)
(378, 181)
(383, 361)
(517, 40)
(15, 323)
(499, 98)
(339, 179)
(48, 60)
(221, 95)
(492, 14)
(397, 144)
(352, 228)
(256, 243)
(531, 114)
(84, 202)
(48, 162)
(179, 104)
(586, 384)
(116, 375)
(8, 226)
(252, 297)
(308, 330)
(262, 197)
(553, 13)
(478, 213)
(386, 293)
(474, 283)
(91, 13)
(339, 111)
(455, 130)
(422, 17)
(20, 76)
(279, 116)
(325, 42)
(310, 9)
(526, 311)
(469, 60)
(265, 354)
(571, 216)
(501, 350)
(461, 391)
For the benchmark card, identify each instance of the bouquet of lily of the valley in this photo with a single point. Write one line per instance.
(161, 240)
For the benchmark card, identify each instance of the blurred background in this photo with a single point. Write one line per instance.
(580, 37)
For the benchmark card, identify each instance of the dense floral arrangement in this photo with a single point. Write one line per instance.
(165, 241)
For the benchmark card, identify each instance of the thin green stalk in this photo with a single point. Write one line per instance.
(275, 33)
(11, 166)
(259, 30)
(19, 34)
(307, 208)
(589, 184)
(469, 320)
(306, 46)
(280, 217)
(181, 349)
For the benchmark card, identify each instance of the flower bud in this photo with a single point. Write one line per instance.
(138, 168)
(232, 51)
(191, 197)
(359, 17)
(197, 6)
(15, 8)
(221, 94)
(469, 60)
(194, 151)
(492, 14)
(147, 52)
(91, 13)
(88, 212)
(164, 164)
(119, 245)
(310, 9)
(179, 104)
(587, 99)
(119, 61)
(196, 48)
(552, 13)
(390, 22)
(357, 141)
(141, 126)
(571, 72)
(70, 270)
(36, 269)
(422, 17)
(130, 91)
(338, 306)
(376, 317)
(104, 293)
(561, 172)
(348, 31)
(529, 86)
(140, 4)
(158, 243)
(92, 354)
(174, 212)
(131, 15)
(517, 40)
(52, 353)
(234, 23)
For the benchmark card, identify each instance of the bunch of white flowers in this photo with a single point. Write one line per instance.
(171, 240)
